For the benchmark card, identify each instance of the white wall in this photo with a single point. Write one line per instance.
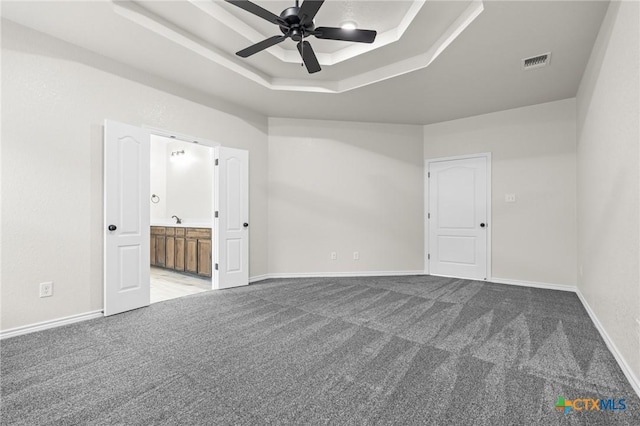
(158, 181)
(533, 156)
(185, 179)
(54, 99)
(344, 187)
(609, 180)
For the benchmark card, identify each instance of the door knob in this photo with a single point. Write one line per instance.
(482, 225)
(246, 225)
(112, 228)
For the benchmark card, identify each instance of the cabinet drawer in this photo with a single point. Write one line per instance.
(198, 233)
(170, 231)
(157, 230)
(179, 232)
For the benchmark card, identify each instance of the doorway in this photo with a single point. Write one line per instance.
(127, 225)
(181, 202)
(458, 213)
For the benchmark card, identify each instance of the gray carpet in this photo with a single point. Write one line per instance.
(392, 350)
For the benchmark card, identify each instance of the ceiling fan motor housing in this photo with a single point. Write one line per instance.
(297, 23)
(296, 31)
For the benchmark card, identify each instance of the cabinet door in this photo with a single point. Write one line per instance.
(204, 258)
(179, 260)
(152, 249)
(191, 257)
(170, 252)
(160, 250)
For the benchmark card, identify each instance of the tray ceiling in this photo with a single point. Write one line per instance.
(216, 30)
(454, 59)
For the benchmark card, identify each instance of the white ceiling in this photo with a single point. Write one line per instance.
(432, 61)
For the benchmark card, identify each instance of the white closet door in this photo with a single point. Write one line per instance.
(458, 218)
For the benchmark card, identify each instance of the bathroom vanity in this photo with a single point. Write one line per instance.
(181, 249)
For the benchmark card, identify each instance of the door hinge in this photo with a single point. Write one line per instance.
(428, 215)
(215, 214)
(216, 162)
(429, 256)
(216, 266)
(428, 174)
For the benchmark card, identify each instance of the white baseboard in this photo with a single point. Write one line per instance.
(258, 278)
(547, 286)
(633, 380)
(26, 329)
(343, 274)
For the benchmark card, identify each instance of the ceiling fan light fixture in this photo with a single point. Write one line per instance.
(348, 25)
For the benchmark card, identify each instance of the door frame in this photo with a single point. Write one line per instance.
(427, 163)
(155, 131)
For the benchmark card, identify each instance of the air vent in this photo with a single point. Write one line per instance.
(536, 61)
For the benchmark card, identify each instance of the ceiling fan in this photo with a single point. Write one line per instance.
(297, 23)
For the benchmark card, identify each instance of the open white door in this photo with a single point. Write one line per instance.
(231, 255)
(458, 218)
(126, 217)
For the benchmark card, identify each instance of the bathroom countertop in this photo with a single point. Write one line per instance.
(183, 225)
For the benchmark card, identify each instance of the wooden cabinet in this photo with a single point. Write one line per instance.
(169, 246)
(179, 250)
(204, 257)
(157, 246)
(191, 262)
(182, 249)
(152, 250)
(198, 251)
(160, 251)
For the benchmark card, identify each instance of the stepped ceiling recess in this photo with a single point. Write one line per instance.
(431, 61)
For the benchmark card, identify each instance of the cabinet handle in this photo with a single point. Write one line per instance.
(246, 225)
(112, 228)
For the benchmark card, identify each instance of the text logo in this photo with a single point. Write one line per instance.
(590, 404)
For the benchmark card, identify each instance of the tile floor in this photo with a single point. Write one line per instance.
(166, 285)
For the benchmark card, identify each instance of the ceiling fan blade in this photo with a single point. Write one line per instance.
(264, 44)
(308, 10)
(360, 36)
(258, 11)
(308, 57)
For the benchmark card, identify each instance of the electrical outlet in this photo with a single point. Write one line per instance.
(356, 255)
(46, 289)
(334, 255)
(509, 198)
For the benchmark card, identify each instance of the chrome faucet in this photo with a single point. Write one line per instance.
(178, 220)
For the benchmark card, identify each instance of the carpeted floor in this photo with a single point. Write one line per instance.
(392, 350)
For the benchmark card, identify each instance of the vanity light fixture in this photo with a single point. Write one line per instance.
(176, 153)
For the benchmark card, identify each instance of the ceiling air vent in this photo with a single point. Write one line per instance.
(536, 61)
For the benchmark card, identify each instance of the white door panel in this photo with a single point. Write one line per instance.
(231, 255)
(126, 241)
(458, 210)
